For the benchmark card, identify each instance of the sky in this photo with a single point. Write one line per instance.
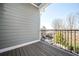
(57, 11)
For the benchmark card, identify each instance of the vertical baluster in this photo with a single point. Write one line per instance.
(65, 38)
(71, 42)
(60, 38)
(68, 39)
(75, 40)
(55, 37)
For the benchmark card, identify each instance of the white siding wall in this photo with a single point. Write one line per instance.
(19, 23)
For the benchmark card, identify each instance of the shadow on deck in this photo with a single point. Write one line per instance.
(37, 49)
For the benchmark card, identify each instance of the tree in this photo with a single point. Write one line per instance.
(77, 19)
(58, 24)
(72, 21)
(72, 24)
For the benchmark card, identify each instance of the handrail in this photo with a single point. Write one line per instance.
(60, 30)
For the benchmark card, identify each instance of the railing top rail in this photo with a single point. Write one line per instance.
(61, 30)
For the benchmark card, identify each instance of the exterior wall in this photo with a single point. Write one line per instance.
(19, 23)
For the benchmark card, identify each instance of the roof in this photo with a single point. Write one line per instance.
(40, 5)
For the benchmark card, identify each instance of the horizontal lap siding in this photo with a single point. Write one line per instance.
(19, 23)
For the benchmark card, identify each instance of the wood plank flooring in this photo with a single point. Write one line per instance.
(36, 49)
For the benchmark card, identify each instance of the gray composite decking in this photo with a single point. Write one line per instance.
(36, 49)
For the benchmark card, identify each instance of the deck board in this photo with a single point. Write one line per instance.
(36, 49)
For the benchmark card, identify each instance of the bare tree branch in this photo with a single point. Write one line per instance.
(57, 24)
(72, 21)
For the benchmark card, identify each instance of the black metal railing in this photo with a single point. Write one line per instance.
(67, 39)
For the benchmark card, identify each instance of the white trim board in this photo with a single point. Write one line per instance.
(34, 5)
(17, 46)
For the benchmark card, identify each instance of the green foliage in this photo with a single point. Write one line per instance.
(70, 47)
(58, 37)
(77, 49)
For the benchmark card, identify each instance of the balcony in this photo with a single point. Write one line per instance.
(59, 43)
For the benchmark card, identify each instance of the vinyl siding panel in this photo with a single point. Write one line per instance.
(19, 23)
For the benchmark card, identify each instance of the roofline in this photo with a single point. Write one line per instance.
(43, 5)
(34, 5)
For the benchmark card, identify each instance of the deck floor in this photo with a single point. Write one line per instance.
(36, 49)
